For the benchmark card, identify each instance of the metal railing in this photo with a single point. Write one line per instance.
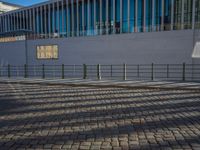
(175, 72)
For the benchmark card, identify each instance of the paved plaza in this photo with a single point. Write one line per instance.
(36, 116)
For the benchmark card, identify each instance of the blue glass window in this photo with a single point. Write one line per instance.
(148, 15)
(117, 15)
(177, 14)
(98, 16)
(56, 18)
(85, 18)
(124, 16)
(103, 23)
(91, 17)
(158, 14)
(80, 19)
(140, 16)
(132, 15)
(60, 20)
(75, 20)
(65, 21)
(69, 20)
(167, 14)
(110, 16)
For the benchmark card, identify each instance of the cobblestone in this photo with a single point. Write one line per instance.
(63, 117)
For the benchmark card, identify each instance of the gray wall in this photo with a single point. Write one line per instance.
(12, 53)
(144, 48)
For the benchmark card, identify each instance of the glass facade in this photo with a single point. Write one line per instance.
(68, 18)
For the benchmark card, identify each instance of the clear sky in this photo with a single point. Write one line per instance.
(24, 2)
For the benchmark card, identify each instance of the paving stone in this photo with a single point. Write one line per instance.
(63, 117)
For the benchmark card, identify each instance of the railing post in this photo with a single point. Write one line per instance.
(9, 71)
(111, 71)
(183, 72)
(124, 72)
(167, 71)
(152, 71)
(84, 71)
(138, 70)
(63, 71)
(25, 71)
(99, 72)
(43, 71)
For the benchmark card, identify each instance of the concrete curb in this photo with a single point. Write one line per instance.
(103, 86)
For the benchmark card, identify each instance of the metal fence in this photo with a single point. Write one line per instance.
(175, 72)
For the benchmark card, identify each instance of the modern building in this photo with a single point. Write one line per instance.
(5, 7)
(101, 31)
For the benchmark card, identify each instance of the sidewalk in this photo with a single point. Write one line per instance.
(108, 83)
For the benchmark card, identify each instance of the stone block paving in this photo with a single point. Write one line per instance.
(63, 117)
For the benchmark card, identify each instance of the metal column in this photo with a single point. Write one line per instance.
(45, 20)
(114, 17)
(193, 13)
(77, 17)
(121, 16)
(153, 15)
(72, 16)
(27, 21)
(128, 16)
(49, 20)
(182, 14)
(83, 18)
(53, 19)
(88, 17)
(163, 15)
(30, 19)
(23, 19)
(68, 29)
(34, 21)
(58, 18)
(62, 31)
(100, 17)
(144, 15)
(41, 20)
(95, 27)
(172, 14)
(136, 15)
(107, 9)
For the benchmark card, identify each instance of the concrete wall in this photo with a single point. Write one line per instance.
(156, 47)
(12, 53)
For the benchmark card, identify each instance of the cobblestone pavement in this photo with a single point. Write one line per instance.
(63, 117)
